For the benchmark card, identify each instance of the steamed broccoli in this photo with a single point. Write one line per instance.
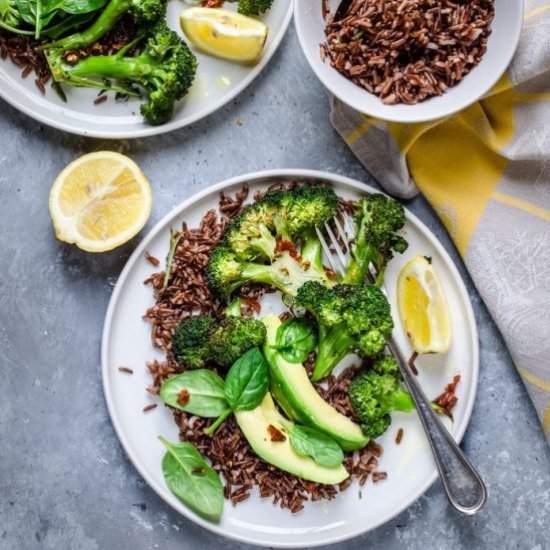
(273, 241)
(254, 7)
(145, 13)
(376, 393)
(202, 339)
(378, 218)
(165, 69)
(349, 318)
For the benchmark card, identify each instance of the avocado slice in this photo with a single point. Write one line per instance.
(255, 425)
(292, 389)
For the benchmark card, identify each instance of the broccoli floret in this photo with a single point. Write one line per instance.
(378, 218)
(202, 339)
(189, 341)
(376, 393)
(145, 13)
(254, 7)
(165, 69)
(273, 241)
(231, 337)
(349, 318)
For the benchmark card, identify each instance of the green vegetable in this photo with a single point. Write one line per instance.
(296, 339)
(376, 393)
(318, 446)
(175, 238)
(165, 70)
(273, 241)
(254, 7)
(204, 389)
(11, 18)
(378, 219)
(245, 386)
(200, 339)
(350, 319)
(192, 480)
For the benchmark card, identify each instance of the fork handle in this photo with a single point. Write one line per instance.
(463, 485)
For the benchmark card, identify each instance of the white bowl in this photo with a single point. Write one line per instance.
(502, 44)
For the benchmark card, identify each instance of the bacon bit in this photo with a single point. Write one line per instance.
(275, 434)
(330, 274)
(150, 407)
(198, 471)
(379, 476)
(448, 399)
(151, 259)
(183, 397)
(253, 304)
(399, 436)
(127, 370)
(289, 247)
(411, 364)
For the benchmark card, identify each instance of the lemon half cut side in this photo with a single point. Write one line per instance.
(100, 201)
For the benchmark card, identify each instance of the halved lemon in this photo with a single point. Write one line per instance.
(100, 201)
(423, 307)
(224, 33)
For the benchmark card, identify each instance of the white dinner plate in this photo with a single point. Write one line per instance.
(410, 467)
(217, 83)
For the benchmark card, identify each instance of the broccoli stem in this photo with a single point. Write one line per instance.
(102, 25)
(363, 255)
(334, 345)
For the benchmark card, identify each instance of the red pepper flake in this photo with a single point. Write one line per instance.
(330, 274)
(183, 397)
(151, 259)
(275, 434)
(127, 370)
(399, 436)
(287, 246)
(448, 399)
(253, 304)
(150, 407)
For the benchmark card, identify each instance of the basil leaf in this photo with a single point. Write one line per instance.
(247, 381)
(80, 6)
(316, 445)
(192, 480)
(295, 340)
(205, 389)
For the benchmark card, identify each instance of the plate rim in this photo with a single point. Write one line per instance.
(408, 119)
(18, 101)
(138, 253)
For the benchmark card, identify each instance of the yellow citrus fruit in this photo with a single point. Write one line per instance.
(423, 307)
(100, 201)
(224, 33)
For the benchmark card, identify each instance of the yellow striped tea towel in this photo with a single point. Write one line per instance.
(486, 172)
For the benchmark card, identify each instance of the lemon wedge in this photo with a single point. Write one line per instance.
(224, 33)
(100, 201)
(423, 307)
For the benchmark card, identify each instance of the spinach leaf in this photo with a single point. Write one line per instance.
(245, 385)
(316, 445)
(79, 6)
(192, 480)
(295, 340)
(197, 392)
(247, 381)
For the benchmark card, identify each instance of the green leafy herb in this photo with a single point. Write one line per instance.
(245, 385)
(192, 480)
(295, 340)
(175, 238)
(316, 445)
(197, 392)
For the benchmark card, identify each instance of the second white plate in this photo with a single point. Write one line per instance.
(410, 467)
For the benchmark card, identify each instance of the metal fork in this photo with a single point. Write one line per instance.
(463, 485)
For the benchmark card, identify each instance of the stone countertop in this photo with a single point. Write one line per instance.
(65, 482)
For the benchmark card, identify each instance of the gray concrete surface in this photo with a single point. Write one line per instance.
(64, 480)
